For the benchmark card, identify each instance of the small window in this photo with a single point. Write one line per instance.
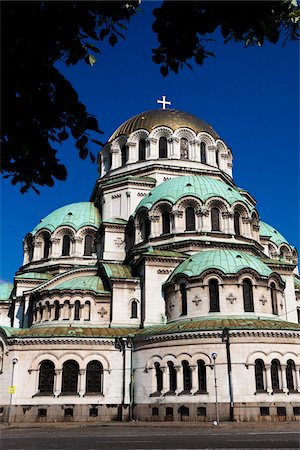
(274, 299)
(163, 147)
(77, 310)
(201, 411)
(296, 410)
(184, 411)
(281, 411)
(184, 148)
(159, 377)
(169, 412)
(215, 219)
(290, 369)
(183, 298)
(275, 368)
(217, 157)
(46, 377)
(47, 244)
(93, 412)
(89, 247)
(66, 245)
(94, 375)
(190, 222)
(259, 375)
(42, 412)
(124, 155)
(142, 150)
(70, 377)
(134, 309)
(298, 314)
(172, 376)
(264, 411)
(214, 304)
(201, 376)
(187, 376)
(236, 219)
(248, 295)
(166, 222)
(69, 412)
(56, 310)
(155, 411)
(203, 152)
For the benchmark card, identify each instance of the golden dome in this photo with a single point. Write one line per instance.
(172, 118)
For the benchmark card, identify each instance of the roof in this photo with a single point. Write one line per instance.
(35, 276)
(85, 283)
(75, 215)
(129, 178)
(274, 235)
(297, 282)
(194, 325)
(6, 290)
(164, 253)
(117, 270)
(227, 261)
(172, 118)
(202, 187)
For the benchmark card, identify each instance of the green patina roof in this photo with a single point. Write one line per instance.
(277, 262)
(297, 282)
(202, 187)
(6, 291)
(274, 235)
(35, 276)
(205, 324)
(75, 215)
(169, 253)
(86, 283)
(117, 270)
(227, 261)
(116, 220)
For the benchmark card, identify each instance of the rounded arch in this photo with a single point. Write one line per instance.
(161, 132)
(184, 356)
(250, 361)
(151, 361)
(206, 138)
(169, 357)
(291, 356)
(244, 275)
(137, 135)
(217, 202)
(185, 202)
(68, 357)
(35, 364)
(201, 356)
(97, 357)
(185, 133)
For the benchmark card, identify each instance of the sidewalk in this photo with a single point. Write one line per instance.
(207, 426)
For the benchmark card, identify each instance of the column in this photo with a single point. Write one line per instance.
(57, 381)
(174, 152)
(37, 251)
(211, 155)
(178, 221)
(155, 226)
(204, 220)
(152, 148)
(283, 379)
(82, 382)
(132, 152)
(179, 379)
(166, 386)
(194, 379)
(246, 230)
(55, 245)
(268, 379)
(297, 373)
(195, 150)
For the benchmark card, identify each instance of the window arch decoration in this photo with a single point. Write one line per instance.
(94, 377)
(29, 247)
(285, 253)
(248, 295)
(162, 147)
(134, 305)
(214, 297)
(44, 238)
(142, 150)
(46, 377)
(89, 245)
(183, 298)
(124, 154)
(142, 226)
(274, 298)
(217, 219)
(221, 152)
(163, 210)
(190, 219)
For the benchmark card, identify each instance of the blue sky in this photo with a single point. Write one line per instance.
(250, 97)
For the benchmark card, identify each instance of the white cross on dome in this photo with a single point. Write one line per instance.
(164, 102)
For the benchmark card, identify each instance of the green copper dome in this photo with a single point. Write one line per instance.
(86, 283)
(227, 261)
(5, 290)
(76, 215)
(274, 235)
(202, 187)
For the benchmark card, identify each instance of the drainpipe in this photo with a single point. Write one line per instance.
(130, 345)
(225, 338)
(120, 345)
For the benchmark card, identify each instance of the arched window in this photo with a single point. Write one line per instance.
(166, 223)
(172, 377)
(134, 309)
(183, 298)
(87, 310)
(146, 227)
(184, 148)
(217, 157)
(56, 310)
(190, 222)
(290, 369)
(214, 304)
(30, 248)
(203, 152)
(201, 376)
(47, 244)
(275, 368)
(187, 377)
(89, 247)
(77, 310)
(274, 298)
(66, 245)
(162, 147)
(124, 155)
(236, 220)
(215, 219)
(159, 377)
(70, 377)
(259, 375)
(94, 377)
(109, 160)
(142, 150)
(248, 296)
(46, 377)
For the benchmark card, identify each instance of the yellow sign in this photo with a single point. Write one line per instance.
(11, 389)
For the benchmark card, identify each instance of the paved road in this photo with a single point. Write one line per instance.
(115, 438)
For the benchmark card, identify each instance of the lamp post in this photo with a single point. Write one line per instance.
(214, 357)
(14, 362)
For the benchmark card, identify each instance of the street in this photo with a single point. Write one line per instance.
(123, 438)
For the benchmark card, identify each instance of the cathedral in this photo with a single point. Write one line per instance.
(164, 297)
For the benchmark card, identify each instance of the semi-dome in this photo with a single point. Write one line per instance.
(172, 118)
(202, 187)
(75, 215)
(86, 283)
(227, 261)
(270, 232)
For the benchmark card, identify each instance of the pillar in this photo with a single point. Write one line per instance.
(82, 382)
(179, 379)
(165, 380)
(57, 381)
(283, 378)
(268, 379)
(194, 379)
